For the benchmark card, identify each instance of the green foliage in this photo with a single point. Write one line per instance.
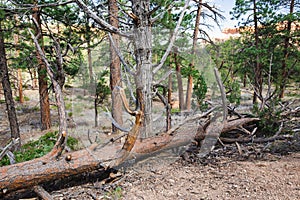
(38, 148)
(234, 96)
(114, 194)
(175, 110)
(269, 119)
(17, 98)
(200, 89)
(102, 89)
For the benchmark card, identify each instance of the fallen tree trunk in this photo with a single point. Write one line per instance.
(28, 174)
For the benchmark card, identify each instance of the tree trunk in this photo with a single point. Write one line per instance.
(192, 65)
(42, 79)
(20, 86)
(189, 91)
(284, 75)
(115, 67)
(19, 73)
(169, 101)
(34, 80)
(257, 68)
(179, 81)
(10, 105)
(142, 39)
(90, 67)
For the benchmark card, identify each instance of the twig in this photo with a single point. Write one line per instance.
(239, 148)
(9, 146)
(41, 192)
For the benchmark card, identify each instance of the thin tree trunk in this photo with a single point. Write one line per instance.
(179, 81)
(20, 86)
(19, 72)
(142, 39)
(284, 75)
(115, 67)
(257, 67)
(10, 105)
(189, 91)
(90, 66)
(192, 65)
(168, 108)
(34, 80)
(42, 78)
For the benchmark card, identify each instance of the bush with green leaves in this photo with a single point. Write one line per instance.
(234, 92)
(38, 148)
(200, 90)
(102, 89)
(270, 118)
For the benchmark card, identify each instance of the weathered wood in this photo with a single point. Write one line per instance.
(41, 192)
(254, 140)
(49, 168)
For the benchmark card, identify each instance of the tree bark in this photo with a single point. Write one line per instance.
(19, 72)
(10, 105)
(192, 65)
(284, 75)
(142, 39)
(179, 81)
(258, 81)
(115, 67)
(42, 79)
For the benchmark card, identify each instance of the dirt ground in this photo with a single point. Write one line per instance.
(258, 172)
(228, 179)
(217, 176)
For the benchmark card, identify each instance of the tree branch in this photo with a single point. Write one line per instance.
(172, 39)
(61, 142)
(106, 26)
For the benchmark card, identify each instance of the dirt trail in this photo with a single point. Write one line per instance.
(260, 179)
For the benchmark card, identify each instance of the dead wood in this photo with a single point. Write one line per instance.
(61, 142)
(41, 192)
(28, 174)
(254, 140)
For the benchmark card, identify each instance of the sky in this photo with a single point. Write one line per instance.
(226, 6)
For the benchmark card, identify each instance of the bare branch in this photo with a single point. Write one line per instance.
(115, 123)
(119, 54)
(106, 26)
(61, 142)
(21, 6)
(6, 149)
(163, 77)
(41, 192)
(223, 94)
(172, 39)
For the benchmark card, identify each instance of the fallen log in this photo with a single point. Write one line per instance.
(28, 174)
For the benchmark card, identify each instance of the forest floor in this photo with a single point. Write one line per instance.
(252, 171)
